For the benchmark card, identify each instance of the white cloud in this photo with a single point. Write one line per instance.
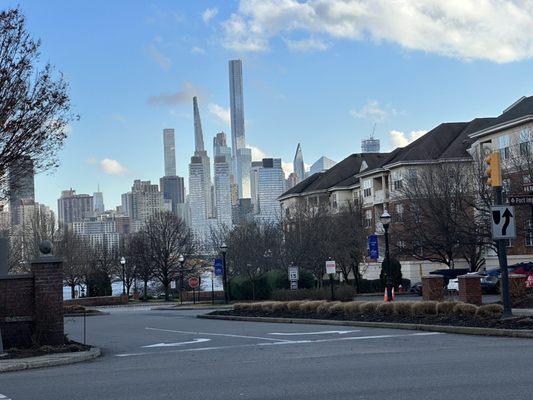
(112, 167)
(185, 95)
(306, 45)
(209, 14)
(373, 111)
(400, 139)
(163, 61)
(257, 153)
(221, 113)
(197, 50)
(91, 160)
(493, 30)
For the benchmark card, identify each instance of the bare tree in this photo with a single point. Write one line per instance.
(34, 102)
(140, 258)
(74, 252)
(168, 237)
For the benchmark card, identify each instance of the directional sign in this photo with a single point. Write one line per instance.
(521, 199)
(503, 222)
(293, 274)
(219, 268)
(331, 267)
(373, 248)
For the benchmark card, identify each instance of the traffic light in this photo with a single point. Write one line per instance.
(493, 171)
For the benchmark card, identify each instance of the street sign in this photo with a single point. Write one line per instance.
(294, 285)
(331, 267)
(528, 187)
(373, 248)
(173, 284)
(293, 274)
(503, 222)
(219, 268)
(521, 199)
(194, 282)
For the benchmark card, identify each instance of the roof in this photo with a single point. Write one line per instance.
(521, 108)
(340, 172)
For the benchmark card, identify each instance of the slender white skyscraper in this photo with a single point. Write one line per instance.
(238, 140)
(299, 168)
(200, 152)
(170, 152)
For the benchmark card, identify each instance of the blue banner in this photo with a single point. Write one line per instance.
(373, 247)
(219, 268)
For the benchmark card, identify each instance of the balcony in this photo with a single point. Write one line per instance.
(381, 196)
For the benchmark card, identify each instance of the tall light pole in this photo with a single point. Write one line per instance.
(223, 250)
(123, 263)
(385, 220)
(181, 260)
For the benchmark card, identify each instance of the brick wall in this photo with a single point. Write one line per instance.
(203, 296)
(16, 309)
(31, 305)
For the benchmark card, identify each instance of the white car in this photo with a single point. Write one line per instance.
(453, 285)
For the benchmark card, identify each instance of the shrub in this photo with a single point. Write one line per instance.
(371, 286)
(294, 306)
(421, 308)
(464, 309)
(403, 307)
(241, 306)
(369, 307)
(255, 306)
(279, 306)
(386, 308)
(241, 289)
(490, 311)
(344, 293)
(266, 306)
(446, 307)
(311, 306)
(396, 272)
(353, 307)
(325, 308)
(337, 308)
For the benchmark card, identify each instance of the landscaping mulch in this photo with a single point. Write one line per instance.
(36, 351)
(525, 323)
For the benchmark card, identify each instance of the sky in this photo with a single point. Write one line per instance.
(321, 73)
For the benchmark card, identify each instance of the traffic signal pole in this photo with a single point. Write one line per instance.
(502, 257)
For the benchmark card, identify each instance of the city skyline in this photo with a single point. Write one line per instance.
(173, 53)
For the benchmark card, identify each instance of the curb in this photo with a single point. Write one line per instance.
(89, 314)
(191, 308)
(465, 330)
(49, 360)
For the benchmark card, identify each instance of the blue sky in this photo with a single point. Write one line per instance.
(316, 72)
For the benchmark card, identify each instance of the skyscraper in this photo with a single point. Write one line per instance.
(238, 140)
(254, 183)
(98, 202)
(271, 185)
(21, 186)
(169, 152)
(243, 162)
(223, 190)
(322, 164)
(370, 145)
(146, 200)
(202, 154)
(173, 189)
(74, 207)
(197, 198)
(298, 164)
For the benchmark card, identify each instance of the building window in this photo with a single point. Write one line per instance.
(524, 139)
(528, 234)
(503, 145)
(368, 218)
(509, 242)
(397, 182)
(367, 188)
(334, 200)
(399, 212)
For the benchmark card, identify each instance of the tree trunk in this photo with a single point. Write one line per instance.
(167, 294)
(145, 296)
(72, 290)
(253, 289)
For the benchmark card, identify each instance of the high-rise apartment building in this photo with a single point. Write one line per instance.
(173, 189)
(74, 207)
(243, 163)
(126, 204)
(238, 140)
(370, 145)
(298, 164)
(254, 183)
(146, 200)
(169, 148)
(322, 164)
(197, 198)
(271, 186)
(223, 190)
(21, 186)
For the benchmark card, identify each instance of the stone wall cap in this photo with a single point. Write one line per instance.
(434, 276)
(469, 276)
(47, 260)
(517, 276)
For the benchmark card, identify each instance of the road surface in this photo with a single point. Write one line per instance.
(152, 355)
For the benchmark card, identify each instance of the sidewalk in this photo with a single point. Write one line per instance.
(50, 360)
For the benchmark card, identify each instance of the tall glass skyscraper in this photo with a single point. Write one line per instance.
(271, 184)
(202, 154)
(298, 163)
(170, 152)
(223, 190)
(238, 140)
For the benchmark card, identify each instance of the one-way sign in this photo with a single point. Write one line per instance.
(503, 222)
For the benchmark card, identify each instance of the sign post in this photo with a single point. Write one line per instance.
(331, 269)
(194, 282)
(293, 277)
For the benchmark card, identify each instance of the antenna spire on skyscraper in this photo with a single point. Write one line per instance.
(198, 134)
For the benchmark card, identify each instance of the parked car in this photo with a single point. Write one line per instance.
(416, 288)
(490, 284)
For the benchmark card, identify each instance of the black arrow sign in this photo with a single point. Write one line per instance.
(507, 215)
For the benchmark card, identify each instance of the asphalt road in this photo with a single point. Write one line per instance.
(173, 355)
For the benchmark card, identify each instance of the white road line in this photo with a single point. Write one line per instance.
(216, 334)
(313, 333)
(4, 397)
(199, 340)
(287, 342)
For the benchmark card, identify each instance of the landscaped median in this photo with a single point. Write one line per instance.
(445, 316)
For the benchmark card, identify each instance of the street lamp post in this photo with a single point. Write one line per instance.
(385, 220)
(181, 260)
(223, 250)
(123, 263)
